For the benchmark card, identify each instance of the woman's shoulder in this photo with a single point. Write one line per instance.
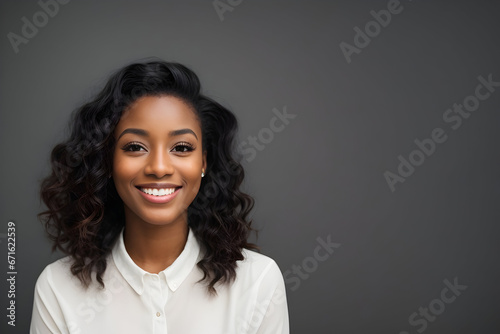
(59, 267)
(258, 268)
(260, 286)
(58, 276)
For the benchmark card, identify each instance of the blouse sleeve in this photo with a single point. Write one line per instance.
(47, 316)
(273, 307)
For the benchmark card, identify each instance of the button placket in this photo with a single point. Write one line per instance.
(156, 298)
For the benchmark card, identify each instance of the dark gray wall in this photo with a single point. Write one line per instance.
(318, 180)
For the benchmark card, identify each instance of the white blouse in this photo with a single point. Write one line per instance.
(136, 301)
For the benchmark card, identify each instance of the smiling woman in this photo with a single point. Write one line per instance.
(149, 250)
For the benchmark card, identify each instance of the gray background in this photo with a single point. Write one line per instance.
(323, 174)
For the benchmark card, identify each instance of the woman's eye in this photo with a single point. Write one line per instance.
(183, 148)
(132, 148)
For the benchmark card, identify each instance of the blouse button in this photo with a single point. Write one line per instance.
(158, 314)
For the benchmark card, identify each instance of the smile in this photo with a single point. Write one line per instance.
(158, 192)
(158, 195)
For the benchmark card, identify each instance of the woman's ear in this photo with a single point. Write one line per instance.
(204, 162)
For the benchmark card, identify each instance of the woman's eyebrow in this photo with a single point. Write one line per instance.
(181, 132)
(144, 133)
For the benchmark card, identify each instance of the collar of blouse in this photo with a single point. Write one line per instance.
(174, 275)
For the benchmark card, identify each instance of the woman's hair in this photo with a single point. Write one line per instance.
(85, 213)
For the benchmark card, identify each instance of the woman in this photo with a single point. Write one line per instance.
(144, 199)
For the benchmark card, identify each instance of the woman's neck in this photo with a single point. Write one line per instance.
(154, 247)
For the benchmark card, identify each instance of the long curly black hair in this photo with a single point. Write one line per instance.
(85, 214)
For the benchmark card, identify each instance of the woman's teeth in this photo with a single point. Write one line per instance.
(158, 192)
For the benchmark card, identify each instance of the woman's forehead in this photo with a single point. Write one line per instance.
(159, 112)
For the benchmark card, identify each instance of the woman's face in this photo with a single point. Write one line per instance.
(158, 160)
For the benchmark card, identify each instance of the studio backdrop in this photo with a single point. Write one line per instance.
(368, 131)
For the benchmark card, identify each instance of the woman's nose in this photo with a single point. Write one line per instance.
(159, 163)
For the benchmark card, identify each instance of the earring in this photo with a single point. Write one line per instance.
(202, 173)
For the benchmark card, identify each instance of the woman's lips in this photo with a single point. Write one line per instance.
(158, 199)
